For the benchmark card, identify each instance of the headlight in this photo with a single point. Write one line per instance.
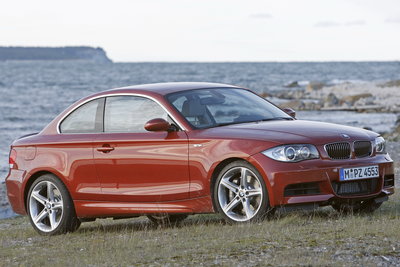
(292, 153)
(380, 145)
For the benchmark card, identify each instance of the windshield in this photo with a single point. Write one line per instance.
(206, 108)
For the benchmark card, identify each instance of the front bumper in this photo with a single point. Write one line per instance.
(323, 175)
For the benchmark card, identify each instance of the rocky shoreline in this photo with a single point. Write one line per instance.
(358, 97)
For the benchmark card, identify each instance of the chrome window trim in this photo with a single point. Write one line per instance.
(108, 95)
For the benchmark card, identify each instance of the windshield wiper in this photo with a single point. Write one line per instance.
(238, 122)
(277, 119)
(229, 123)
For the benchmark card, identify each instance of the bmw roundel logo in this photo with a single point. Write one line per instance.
(345, 136)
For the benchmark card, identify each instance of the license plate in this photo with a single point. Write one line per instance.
(346, 174)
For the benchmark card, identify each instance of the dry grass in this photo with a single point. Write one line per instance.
(321, 237)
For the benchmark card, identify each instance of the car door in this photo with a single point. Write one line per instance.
(74, 143)
(136, 165)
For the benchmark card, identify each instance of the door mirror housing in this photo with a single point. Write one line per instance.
(158, 125)
(290, 112)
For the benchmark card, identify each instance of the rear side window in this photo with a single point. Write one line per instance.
(85, 119)
(130, 113)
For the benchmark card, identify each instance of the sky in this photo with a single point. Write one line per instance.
(210, 30)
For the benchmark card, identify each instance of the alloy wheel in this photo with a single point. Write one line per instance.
(46, 206)
(240, 194)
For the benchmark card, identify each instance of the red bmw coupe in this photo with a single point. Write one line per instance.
(169, 150)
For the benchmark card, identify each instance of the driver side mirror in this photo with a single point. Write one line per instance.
(158, 125)
(290, 112)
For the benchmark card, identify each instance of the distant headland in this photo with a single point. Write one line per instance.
(96, 54)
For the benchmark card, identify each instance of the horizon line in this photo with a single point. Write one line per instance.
(256, 61)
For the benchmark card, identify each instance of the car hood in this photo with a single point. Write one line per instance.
(293, 131)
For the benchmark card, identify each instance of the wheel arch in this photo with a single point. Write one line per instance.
(32, 178)
(218, 168)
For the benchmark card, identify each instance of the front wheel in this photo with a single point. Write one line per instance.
(240, 194)
(50, 207)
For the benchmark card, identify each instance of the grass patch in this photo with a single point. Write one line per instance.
(321, 237)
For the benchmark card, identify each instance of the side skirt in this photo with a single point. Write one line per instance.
(95, 209)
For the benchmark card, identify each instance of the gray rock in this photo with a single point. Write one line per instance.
(292, 84)
(290, 94)
(294, 104)
(314, 85)
(366, 101)
(351, 99)
(331, 100)
(394, 83)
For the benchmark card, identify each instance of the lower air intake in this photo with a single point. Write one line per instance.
(361, 187)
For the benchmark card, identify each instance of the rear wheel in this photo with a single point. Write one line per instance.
(240, 194)
(50, 207)
(167, 219)
(365, 206)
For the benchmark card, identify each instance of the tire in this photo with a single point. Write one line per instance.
(167, 219)
(240, 194)
(50, 207)
(365, 206)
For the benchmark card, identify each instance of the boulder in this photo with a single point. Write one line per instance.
(395, 134)
(394, 83)
(294, 104)
(366, 101)
(331, 100)
(397, 130)
(314, 86)
(292, 84)
(311, 105)
(351, 99)
(290, 94)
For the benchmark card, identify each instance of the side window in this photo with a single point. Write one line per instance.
(130, 113)
(85, 119)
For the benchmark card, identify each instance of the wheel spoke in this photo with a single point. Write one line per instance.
(43, 214)
(243, 177)
(52, 217)
(231, 186)
(57, 205)
(50, 192)
(39, 198)
(247, 208)
(231, 205)
(254, 192)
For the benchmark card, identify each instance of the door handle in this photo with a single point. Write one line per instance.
(105, 149)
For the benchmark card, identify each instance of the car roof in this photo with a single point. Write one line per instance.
(171, 87)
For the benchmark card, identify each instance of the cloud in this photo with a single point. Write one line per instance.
(327, 23)
(393, 20)
(355, 23)
(261, 16)
(331, 23)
